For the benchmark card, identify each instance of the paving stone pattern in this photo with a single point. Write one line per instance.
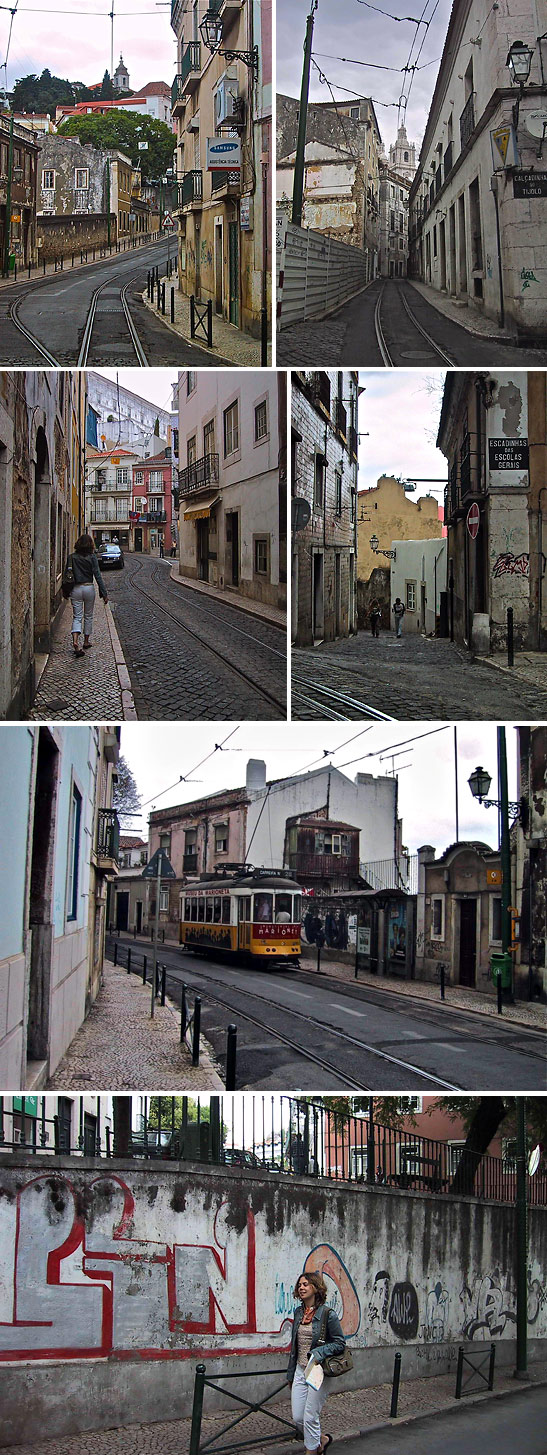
(230, 344)
(172, 674)
(85, 687)
(415, 677)
(120, 1047)
(346, 1414)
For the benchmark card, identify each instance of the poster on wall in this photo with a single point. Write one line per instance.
(397, 932)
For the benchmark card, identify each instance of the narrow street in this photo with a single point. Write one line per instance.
(412, 677)
(192, 657)
(504, 1425)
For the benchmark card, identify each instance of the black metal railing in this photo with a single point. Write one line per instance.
(191, 61)
(155, 517)
(465, 466)
(340, 417)
(108, 834)
(221, 179)
(352, 440)
(467, 120)
(191, 188)
(278, 1134)
(177, 92)
(201, 472)
(447, 160)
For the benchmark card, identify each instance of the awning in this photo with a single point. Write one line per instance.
(202, 508)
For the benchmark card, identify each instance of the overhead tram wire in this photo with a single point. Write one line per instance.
(184, 776)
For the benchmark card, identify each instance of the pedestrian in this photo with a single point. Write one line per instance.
(173, 550)
(306, 1401)
(375, 617)
(83, 565)
(398, 612)
(162, 551)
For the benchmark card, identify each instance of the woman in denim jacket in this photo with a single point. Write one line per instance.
(307, 1402)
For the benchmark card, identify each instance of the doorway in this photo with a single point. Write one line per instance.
(203, 549)
(138, 916)
(422, 604)
(337, 596)
(198, 260)
(452, 247)
(122, 910)
(462, 276)
(219, 269)
(41, 897)
(468, 942)
(233, 240)
(232, 541)
(442, 244)
(318, 620)
(138, 537)
(41, 544)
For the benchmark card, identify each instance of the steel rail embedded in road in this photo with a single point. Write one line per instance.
(90, 323)
(387, 356)
(342, 698)
(40, 348)
(205, 646)
(442, 354)
(239, 631)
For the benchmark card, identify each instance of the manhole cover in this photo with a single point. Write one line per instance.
(414, 354)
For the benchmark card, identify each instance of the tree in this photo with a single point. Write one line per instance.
(107, 89)
(118, 130)
(121, 1109)
(126, 798)
(44, 93)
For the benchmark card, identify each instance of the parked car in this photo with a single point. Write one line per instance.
(110, 557)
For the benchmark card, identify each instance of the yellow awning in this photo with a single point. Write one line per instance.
(202, 508)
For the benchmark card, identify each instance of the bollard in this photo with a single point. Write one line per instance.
(459, 1372)
(263, 337)
(163, 299)
(93, 254)
(72, 264)
(510, 640)
(62, 261)
(210, 323)
(196, 1031)
(29, 270)
(498, 988)
(44, 267)
(318, 967)
(182, 1012)
(115, 952)
(129, 960)
(172, 305)
(144, 969)
(134, 932)
(442, 969)
(163, 983)
(395, 1387)
(197, 1410)
(231, 1052)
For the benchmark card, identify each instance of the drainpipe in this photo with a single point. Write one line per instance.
(298, 180)
(494, 189)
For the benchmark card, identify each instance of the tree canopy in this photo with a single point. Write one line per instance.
(121, 131)
(44, 93)
(126, 798)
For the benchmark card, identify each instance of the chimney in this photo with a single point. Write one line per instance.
(256, 774)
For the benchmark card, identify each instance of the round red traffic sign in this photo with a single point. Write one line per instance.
(473, 520)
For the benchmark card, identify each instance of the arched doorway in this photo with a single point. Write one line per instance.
(41, 544)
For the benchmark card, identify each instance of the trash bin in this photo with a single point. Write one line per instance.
(11, 263)
(502, 963)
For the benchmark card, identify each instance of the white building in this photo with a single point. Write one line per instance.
(232, 500)
(123, 415)
(418, 575)
(109, 494)
(366, 803)
(477, 202)
(402, 155)
(394, 189)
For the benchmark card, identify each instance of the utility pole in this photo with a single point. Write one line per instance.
(505, 854)
(298, 183)
(521, 1371)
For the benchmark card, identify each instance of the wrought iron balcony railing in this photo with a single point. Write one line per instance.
(201, 472)
(177, 92)
(191, 61)
(320, 389)
(340, 417)
(108, 838)
(221, 179)
(447, 160)
(191, 189)
(467, 120)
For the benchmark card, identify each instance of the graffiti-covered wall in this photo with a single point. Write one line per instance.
(123, 1278)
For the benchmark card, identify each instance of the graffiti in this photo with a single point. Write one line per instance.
(436, 1314)
(327, 1261)
(528, 277)
(508, 564)
(486, 1315)
(284, 1298)
(436, 1353)
(488, 266)
(379, 1300)
(403, 1311)
(537, 1297)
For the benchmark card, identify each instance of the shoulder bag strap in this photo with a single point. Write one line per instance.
(323, 1329)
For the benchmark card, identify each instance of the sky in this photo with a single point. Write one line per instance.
(160, 753)
(71, 38)
(155, 385)
(359, 30)
(399, 412)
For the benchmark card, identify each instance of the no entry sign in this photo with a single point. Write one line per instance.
(473, 520)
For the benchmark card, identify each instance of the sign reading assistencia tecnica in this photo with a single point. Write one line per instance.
(223, 154)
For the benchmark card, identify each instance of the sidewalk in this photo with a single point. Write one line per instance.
(274, 614)
(466, 314)
(347, 1416)
(95, 687)
(523, 1013)
(230, 344)
(120, 1047)
(101, 256)
(530, 667)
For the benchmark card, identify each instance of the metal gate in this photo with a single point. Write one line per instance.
(251, 1406)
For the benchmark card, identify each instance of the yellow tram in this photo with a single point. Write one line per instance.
(253, 913)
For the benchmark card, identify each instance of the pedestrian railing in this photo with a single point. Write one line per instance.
(201, 320)
(475, 1370)
(253, 1406)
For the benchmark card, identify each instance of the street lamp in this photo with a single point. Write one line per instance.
(519, 61)
(375, 546)
(479, 783)
(211, 34)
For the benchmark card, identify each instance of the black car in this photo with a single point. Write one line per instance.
(110, 557)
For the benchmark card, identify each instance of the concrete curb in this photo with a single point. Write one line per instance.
(489, 338)
(509, 672)
(382, 984)
(128, 703)
(223, 598)
(194, 343)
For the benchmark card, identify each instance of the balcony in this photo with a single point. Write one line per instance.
(191, 190)
(178, 97)
(190, 68)
(340, 418)
(228, 183)
(320, 389)
(467, 121)
(201, 472)
(324, 866)
(352, 442)
(447, 160)
(110, 517)
(466, 487)
(156, 517)
(108, 840)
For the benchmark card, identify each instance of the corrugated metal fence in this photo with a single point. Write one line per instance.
(316, 273)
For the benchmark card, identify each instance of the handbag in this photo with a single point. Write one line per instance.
(335, 1364)
(68, 581)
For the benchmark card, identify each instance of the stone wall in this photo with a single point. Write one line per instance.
(117, 1277)
(60, 237)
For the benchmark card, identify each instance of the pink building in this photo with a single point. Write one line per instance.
(151, 517)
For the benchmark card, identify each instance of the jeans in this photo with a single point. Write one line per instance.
(83, 601)
(399, 625)
(306, 1404)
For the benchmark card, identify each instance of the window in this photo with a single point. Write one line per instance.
(354, 113)
(319, 482)
(455, 1150)
(191, 380)
(81, 178)
(139, 477)
(140, 502)
(261, 421)
(261, 555)
(509, 1154)
(156, 480)
(409, 1103)
(337, 492)
(209, 437)
(73, 864)
(165, 842)
(231, 429)
(410, 596)
(122, 476)
(164, 900)
(437, 917)
(495, 919)
(48, 179)
(226, 909)
(221, 838)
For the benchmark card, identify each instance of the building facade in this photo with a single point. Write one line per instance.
(389, 512)
(232, 488)
(341, 174)
(56, 790)
(529, 868)
(459, 914)
(393, 244)
(142, 426)
(222, 105)
(18, 176)
(84, 196)
(418, 577)
(151, 510)
(42, 439)
(477, 212)
(402, 155)
(324, 489)
(109, 495)
(493, 515)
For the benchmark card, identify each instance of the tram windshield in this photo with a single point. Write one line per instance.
(281, 908)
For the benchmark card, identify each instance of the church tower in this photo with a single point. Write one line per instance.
(120, 78)
(402, 156)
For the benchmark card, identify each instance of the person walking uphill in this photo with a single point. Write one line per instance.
(82, 566)
(307, 1343)
(398, 610)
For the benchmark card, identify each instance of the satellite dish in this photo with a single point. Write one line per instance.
(533, 1160)
(536, 122)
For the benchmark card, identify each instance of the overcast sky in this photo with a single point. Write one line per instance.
(398, 419)
(71, 38)
(159, 754)
(351, 28)
(154, 385)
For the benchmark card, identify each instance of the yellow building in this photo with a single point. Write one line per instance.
(388, 512)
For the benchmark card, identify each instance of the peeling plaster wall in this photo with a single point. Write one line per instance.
(508, 540)
(117, 1279)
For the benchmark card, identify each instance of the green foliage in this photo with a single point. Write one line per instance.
(120, 131)
(178, 1111)
(44, 93)
(107, 89)
(126, 798)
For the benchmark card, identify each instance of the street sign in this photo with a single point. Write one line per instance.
(166, 870)
(501, 139)
(473, 520)
(504, 454)
(503, 142)
(529, 184)
(223, 155)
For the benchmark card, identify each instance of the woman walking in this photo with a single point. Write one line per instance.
(84, 566)
(306, 1401)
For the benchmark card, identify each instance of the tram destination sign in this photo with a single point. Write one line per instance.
(508, 454)
(529, 184)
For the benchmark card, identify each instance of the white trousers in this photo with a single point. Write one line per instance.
(83, 601)
(307, 1404)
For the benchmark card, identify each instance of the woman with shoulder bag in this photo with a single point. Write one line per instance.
(316, 1334)
(82, 566)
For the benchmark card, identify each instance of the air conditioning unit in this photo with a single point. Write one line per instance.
(226, 95)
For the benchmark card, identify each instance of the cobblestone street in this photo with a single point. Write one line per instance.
(413, 677)
(94, 687)
(192, 657)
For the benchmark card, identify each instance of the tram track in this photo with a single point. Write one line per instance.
(159, 576)
(326, 700)
(389, 352)
(91, 320)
